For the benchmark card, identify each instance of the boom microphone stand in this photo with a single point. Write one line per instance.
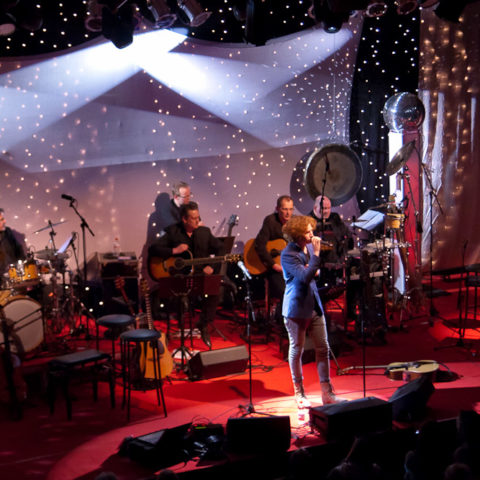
(249, 408)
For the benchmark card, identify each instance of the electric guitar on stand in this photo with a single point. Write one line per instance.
(146, 359)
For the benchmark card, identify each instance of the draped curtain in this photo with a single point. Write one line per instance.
(449, 88)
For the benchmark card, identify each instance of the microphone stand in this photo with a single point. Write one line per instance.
(83, 225)
(432, 194)
(249, 408)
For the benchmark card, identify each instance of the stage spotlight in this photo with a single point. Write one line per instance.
(376, 8)
(161, 15)
(321, 13)
(405, 7)
(427, 3)
(118, 26)
(93, 20)
(194, 12)
(7, 24)
(450, 11)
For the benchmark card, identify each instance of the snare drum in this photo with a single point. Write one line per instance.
(24, 315)
(394, 220)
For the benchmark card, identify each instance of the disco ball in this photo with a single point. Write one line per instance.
(403, 112)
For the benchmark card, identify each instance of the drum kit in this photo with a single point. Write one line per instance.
(38, 298)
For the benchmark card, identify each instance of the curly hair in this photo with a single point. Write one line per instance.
(297, 226)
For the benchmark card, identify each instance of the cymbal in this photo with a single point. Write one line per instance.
(50, 254)
(49, 226)
(335, 170)
(400, 158)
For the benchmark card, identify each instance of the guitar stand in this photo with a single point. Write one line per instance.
(182, 298)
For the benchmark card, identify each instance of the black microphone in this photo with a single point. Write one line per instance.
(244, 269)
(68, 197)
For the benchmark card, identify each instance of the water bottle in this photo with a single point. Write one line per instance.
(116, 246)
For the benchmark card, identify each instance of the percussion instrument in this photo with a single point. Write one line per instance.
(394, 221)
(400, 158)
(24, 316)
(23, 274)
(334, 170)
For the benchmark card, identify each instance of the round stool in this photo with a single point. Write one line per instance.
(140, 349)
(116, 322)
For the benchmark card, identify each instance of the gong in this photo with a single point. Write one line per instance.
(338, 168)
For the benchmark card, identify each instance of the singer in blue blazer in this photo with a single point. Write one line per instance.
(302, 308)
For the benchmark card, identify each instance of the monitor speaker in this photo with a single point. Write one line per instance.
(258, 434)
(409, 402)
(217, 363)
(364, 415)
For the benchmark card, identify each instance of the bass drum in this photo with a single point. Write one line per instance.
(24, 318)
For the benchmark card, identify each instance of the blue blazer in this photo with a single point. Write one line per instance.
(300, 287)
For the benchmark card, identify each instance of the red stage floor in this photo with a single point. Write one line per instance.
(88, 444)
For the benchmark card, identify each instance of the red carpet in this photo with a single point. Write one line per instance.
(41, 445)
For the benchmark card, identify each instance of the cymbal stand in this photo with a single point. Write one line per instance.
(249, 408)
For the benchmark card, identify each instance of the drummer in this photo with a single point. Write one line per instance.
(12, 245)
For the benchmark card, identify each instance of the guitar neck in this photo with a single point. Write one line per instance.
(148, 305)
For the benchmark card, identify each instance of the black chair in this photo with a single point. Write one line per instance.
(131, 343)
(472, 280)
(80, 366)
(116, 323)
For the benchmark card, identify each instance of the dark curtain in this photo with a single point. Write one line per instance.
(387, 63)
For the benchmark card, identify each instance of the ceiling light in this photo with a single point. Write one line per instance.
(93, 20)
(118, 25)
(376, 8)
(405, 7)
(194, 12)
(321, 13)
(159, 14)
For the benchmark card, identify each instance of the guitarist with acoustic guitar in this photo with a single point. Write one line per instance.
(263, 248)
(188, 239)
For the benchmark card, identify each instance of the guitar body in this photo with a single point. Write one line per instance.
(146, 360)
(408, 371)
(162, 268)
(251, 259)
(147, 364)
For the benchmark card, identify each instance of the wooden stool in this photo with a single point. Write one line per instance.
(130, 343)
(116, 322)
(84, 363)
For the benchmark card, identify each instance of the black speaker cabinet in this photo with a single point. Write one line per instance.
(160, 449)
(364, 415)
(409, 402)
(217, 363)
(258, 434)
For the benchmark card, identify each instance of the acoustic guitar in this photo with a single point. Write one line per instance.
(183, 264)
(251, 259)
(406, 371)
(147, 365)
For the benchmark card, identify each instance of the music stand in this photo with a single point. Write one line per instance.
(183, 287)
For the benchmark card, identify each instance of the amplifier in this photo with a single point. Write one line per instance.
(108, 265)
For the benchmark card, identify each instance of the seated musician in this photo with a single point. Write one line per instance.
(189, 235)
(272, 230)
(12, 248)
(335, 233)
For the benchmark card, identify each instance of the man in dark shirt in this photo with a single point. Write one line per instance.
(188, 236)
(272, 230)
(11, 249)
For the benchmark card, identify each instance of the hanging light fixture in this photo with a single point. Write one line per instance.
(194, 12)
(93, 20)
(161, 15)
(405, 7)
(376, 8)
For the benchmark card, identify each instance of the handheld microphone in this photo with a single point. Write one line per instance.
(68, 197)
(244, 269)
